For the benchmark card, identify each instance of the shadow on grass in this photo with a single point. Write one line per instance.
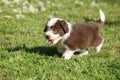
(48, 51)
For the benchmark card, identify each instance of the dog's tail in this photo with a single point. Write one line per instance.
(102, 16)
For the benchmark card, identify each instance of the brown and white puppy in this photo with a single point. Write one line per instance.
(74, 37)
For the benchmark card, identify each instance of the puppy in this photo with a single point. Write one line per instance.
(74, 37)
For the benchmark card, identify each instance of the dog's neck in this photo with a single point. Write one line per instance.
(60, 45)
(68, 33)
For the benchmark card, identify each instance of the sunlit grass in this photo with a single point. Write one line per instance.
(25, 54)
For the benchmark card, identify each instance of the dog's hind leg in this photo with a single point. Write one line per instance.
(98, 48)
(83, 52)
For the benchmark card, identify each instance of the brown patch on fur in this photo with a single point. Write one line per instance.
(60, 27)
(84, 36)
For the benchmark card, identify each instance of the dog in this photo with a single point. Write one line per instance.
(72, 38)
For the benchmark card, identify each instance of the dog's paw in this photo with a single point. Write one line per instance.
(67, 56)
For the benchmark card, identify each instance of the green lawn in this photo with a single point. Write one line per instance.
(26, 55)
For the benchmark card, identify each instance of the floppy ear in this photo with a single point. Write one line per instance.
(64, 26)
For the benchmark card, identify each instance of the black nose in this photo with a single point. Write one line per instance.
(47, 36)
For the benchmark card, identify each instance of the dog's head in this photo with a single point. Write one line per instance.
(55, 29)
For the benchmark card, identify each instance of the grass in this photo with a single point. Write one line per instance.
(25, 54)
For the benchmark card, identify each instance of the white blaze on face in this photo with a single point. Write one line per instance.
(51, 34)
(53, 38)
(52, 22)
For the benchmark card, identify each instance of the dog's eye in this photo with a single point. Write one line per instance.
(55, 32)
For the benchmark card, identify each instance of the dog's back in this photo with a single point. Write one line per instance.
(86, 35)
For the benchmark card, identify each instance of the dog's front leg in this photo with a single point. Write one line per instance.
(68, 54)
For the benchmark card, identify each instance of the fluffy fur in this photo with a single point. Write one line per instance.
(74, 37)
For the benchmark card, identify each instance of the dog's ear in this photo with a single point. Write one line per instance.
(64, 26)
